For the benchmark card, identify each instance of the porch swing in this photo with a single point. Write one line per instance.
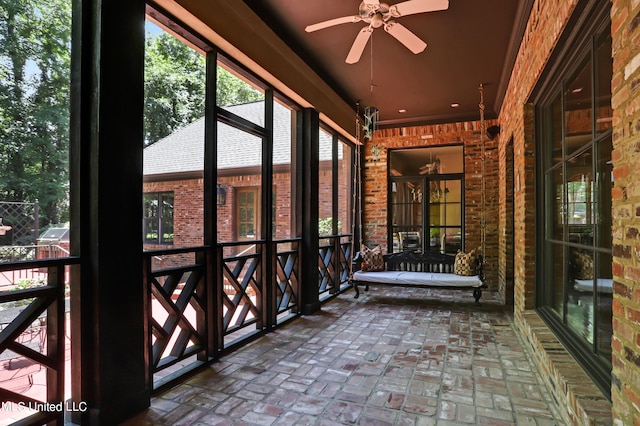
(427, 269)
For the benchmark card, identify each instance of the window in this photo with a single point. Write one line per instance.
(427, 210)
(158, 218)
(575, 276)
(335, 195)
(326, 184)
(247, 213)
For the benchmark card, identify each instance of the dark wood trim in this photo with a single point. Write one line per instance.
(209, 174)
(107, 301)
(310, 184)
(268, 311)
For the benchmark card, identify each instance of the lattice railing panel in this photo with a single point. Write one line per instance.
(326, 269)
(287, 288)
(178, 306)
(33, 342)
(345, 261)
(242, 296)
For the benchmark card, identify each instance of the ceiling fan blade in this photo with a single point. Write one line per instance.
(404, 36)
(332, 22)
(411, 7)
(358, 45)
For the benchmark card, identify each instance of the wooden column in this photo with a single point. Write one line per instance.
(307, 154)
(109, 354)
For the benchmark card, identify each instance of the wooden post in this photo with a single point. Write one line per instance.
(107, 298)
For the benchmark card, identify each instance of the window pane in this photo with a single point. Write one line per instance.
(555, 207)
(426, 161)
(553, 116)
(151, 224)
(406, 202)
(604, 74)
(283, 182)
(580, 204)
(167, 218)
(453, 240)
(325, 214)
(35, 42)
(604, 171)
(236, 94)
(554, 276)
(240, 173)
(436, 238)
(173, 157)
(578, 109)
(452, 191)
(604, 297)
(345, 187)
(580, 304)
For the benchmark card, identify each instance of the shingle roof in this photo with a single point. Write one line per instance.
(183, 150)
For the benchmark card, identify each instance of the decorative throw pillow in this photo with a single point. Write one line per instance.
(465, 263)
(372, 259)
(583, 265)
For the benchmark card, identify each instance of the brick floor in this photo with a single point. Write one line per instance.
(395, 356)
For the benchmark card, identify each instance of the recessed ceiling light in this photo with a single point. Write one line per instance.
(455, 105)
(402, 110)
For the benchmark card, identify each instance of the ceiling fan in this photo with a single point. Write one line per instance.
(378, 15)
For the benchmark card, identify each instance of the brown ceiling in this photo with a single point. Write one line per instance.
(473, 42)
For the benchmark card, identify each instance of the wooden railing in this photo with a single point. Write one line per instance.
(203, 300)
(333, 264)
(178, 309)
(32, 338)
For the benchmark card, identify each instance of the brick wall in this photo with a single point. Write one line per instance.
(572, 389)
(188, 211)
(545, 25)
(375, 176)
(189, 205)
(625, 389)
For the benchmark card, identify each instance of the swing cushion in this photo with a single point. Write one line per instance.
(372, 259)
(465, 263)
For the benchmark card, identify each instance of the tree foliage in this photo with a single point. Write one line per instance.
(35, 40)
(35, 56)
(175, 86)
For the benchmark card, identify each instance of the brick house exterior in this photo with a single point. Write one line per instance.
(175, 164)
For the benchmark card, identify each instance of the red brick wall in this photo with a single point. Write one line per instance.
(188, 199)
(375, 177)
(545, 25)
(189, 205)
(625, 390)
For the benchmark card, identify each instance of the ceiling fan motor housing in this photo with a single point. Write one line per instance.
(375, 14)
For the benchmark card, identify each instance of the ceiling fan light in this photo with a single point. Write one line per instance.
(377, 20)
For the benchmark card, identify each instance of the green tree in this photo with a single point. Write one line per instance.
(35, 40)
(175, 86)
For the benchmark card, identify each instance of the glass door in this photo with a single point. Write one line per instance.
(426, 199)
(445, 215)
(407, 213)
